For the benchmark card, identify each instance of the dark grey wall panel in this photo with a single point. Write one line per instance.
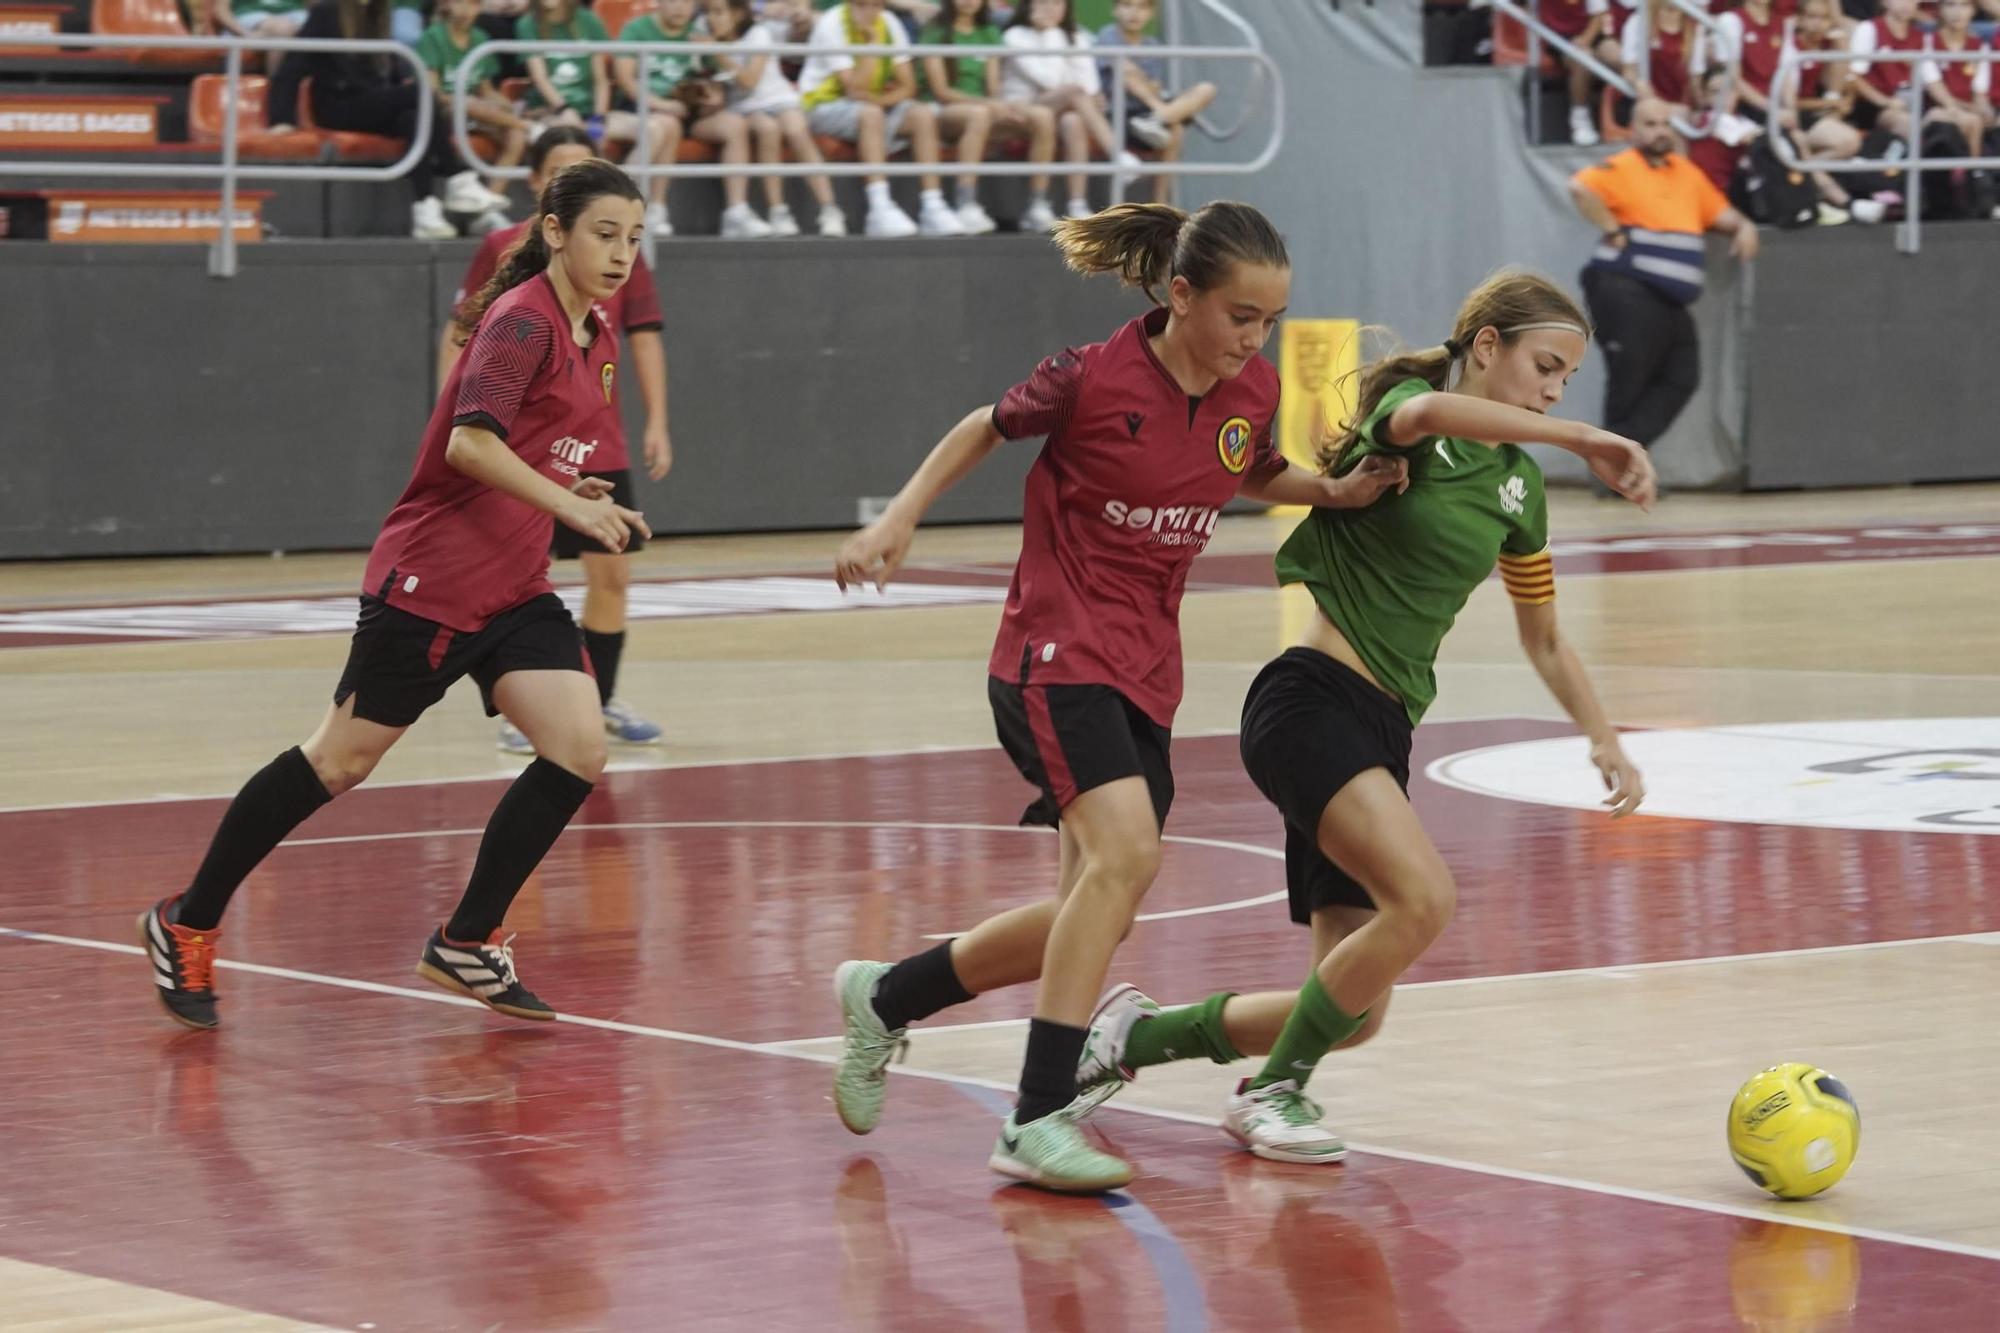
(148, 408)
(1869, 367)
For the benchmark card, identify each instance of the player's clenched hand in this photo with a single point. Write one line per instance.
(1371, 479)
(874, 554)
(1621, 778)
(590, 488)
(1623, 465)
(597, 518)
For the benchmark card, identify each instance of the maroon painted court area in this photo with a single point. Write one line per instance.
(359, 1157)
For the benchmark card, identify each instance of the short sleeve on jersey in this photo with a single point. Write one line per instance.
(641, 308)
(1265, 460)
(1526, 565)
(1371, 429)
(503, 360)
(1042, 403)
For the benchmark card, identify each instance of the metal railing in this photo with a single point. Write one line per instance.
(230, 169)
(640, 166)
(1539, 32)
(1175, 71)
(1909, 233)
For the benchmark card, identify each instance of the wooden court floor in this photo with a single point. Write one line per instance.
(1812, 684)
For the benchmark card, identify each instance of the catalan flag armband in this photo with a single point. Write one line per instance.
(1530, 579)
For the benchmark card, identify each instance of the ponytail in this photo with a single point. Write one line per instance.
(1149, 245)
(1432, 365)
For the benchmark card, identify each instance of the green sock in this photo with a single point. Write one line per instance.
(1182, 1034)
(1316, 1026)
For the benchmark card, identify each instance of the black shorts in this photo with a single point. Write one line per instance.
(1864, 114)
(568, 543)
(1068, 739)
(401, 664)
(1310, 727)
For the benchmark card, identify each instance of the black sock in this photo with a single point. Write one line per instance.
(604, 650)
(1048, 1076)
(526, 823)
(278, 798)
(918, 987)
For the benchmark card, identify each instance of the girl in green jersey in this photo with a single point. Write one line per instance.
(1326, 727)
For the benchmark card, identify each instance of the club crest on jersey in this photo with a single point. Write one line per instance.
(1232, 443)
(1514, 495)
(610, 374)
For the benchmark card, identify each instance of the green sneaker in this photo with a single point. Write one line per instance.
(860, 1079)
(1279, 1123)
(1051, 1153)
(1102, 1072)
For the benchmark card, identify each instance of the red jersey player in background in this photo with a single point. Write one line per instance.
(1149, 435)
(458, 585)
(607, 575)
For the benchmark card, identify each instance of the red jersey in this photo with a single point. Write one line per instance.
(1124, 495)
(1966, 80)
(1569, 18)
(635, 307)
(1669, 65)
(1874, 35)
(1812, 73)
(459, 552)
(1758, 46)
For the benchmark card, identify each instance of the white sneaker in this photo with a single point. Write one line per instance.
(1831, 215)
(657, 220)
(832, 222)
(1872, 211)
(887, 220)
(1280, 1123)
(782, 222)
(937, 218)
(1582, 130)
(427, 221)
(490, 221)
(1149, 131)
(1039, 217)
(975, 219)
(513, 740)
(740, 224)
(1130, 160)
(466, 193)
(1101, 1072)
(1079, 208)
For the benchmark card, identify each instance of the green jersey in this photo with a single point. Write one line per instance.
(663, 72)
(570, 71)
(440, 52)
(970, 78)
(1394, 576)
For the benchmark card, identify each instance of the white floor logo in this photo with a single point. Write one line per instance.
(1916, 775)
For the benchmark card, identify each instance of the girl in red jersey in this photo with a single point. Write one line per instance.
(1149, 435)
(607, 574)
(457, 585)
(1878, 85)
(1958, 90)
(1676, 54)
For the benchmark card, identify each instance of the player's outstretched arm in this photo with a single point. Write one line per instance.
(874, 554)
(1564, 673)
(1362, 485)
(1619, 463)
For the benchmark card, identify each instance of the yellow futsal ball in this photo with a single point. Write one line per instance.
(1794, 1130)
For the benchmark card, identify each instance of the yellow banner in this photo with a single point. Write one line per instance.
(1315, 359)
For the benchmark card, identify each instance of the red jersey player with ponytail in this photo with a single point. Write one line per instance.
(1149, 434)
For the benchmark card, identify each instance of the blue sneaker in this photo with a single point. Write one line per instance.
(513, 740)
(627, 727)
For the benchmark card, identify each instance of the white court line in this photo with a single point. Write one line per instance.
(1768, 1213)
(508, 774)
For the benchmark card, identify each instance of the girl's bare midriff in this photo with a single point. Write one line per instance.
(1323, 636)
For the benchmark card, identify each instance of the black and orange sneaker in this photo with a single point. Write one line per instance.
(183, 965)
(483, 971)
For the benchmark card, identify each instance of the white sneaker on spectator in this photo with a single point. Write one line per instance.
(427, 221)
(657, 220)
(489, 222)
(782, 222)
(466, 193)
(1079, 208)
(1039, 217)
(889, 220)
(832, 222)
(975, 219)
(1130, 160)
(1149, 131)
(1832, 215)
(937, 218)
(739, 223)
(1582, 131)
(1872, 211)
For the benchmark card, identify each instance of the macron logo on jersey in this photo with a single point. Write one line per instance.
(1514, 495)
(571, 454)
(1173, 525)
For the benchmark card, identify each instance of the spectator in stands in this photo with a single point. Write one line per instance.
(1877, 85)
(1055, 70)
(760, 93)
(1586, 23)
(1958, 91)
(1675, 55)
(963, 85)
(1752, 40)
(871, 102)
(442, 47)
(565, 88)
(965, 121)
(1163, 126)
(371, 94)
(912, 16)
(1813, 111)
(683, 102)
(257, 18)
(1723, 138)
(1651, 206)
